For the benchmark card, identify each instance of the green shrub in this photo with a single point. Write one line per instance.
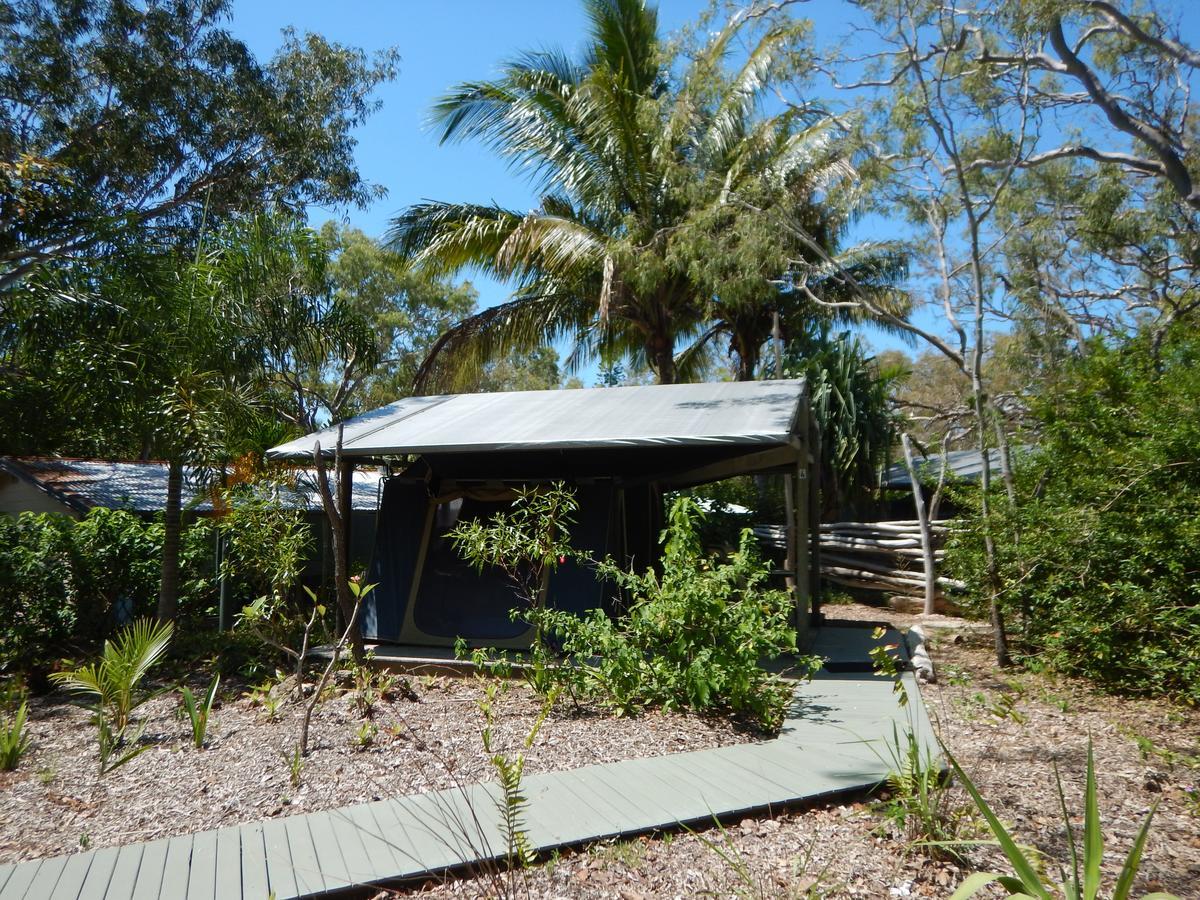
(693, 638)
(61, 579)
(268, 541)
(37, 591)
(1100, 559)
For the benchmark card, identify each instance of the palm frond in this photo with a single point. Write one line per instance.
(520, 325)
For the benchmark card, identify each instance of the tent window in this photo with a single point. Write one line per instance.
(454, 600)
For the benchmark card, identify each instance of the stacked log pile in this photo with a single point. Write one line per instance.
(874, 556)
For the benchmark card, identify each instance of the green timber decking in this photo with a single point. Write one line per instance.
(834, 740)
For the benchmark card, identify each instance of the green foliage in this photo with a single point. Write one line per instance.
(295, 764)
(849, 400)
(114, 683)
(528, 541)
(152, 116)
(116, 746)
(13, 739)
(268, 540)
(887, 662)
(918, 804)
(365, 736)
(671, 204)
(1099, 557)
(1083, 880)
(61, 579)
(198, 710)
(510, 769)
(693, 638)
(371, 686)
(407, 310)
(37, 600)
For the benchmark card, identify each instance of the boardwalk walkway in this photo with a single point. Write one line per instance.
(834, 740)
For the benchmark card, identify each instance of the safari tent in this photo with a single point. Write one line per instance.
(455, 457)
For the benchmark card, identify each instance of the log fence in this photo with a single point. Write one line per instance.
(875, 556)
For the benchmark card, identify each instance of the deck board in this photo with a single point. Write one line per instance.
(202, 874)
(835, 738)
(600, 804)
(70, 880)
(359, 867)
(255, 882)
(151, 867)
(176, 869)
(125, 872)
(305, 864)
(329, 854)
(20, 879)
(228, 873)
(46, 879)
(281, 870)
(99, 873)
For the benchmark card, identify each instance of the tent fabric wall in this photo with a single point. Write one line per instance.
(398, 533)
(453, 599)
(413, 563)
(574, 586)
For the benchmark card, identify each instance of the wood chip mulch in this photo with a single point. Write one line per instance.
(56, 801)
(1008, 729)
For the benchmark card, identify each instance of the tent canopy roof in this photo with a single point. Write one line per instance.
(747, 414)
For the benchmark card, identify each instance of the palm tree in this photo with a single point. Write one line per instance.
(622, 160)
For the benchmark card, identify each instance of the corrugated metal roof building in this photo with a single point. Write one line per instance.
(74, 486)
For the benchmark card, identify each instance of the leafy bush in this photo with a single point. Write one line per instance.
(694, 637)
(1101, 555)
(268, 545)
(268, 541)
(117, 556)
(61, 579)
(37, 593)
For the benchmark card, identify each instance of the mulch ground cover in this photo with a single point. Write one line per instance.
(1009, 729)
(57, 802)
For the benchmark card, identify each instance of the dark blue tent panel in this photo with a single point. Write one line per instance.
(400, 524)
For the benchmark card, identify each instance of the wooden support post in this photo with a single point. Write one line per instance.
(799, 545)
(790, 535)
